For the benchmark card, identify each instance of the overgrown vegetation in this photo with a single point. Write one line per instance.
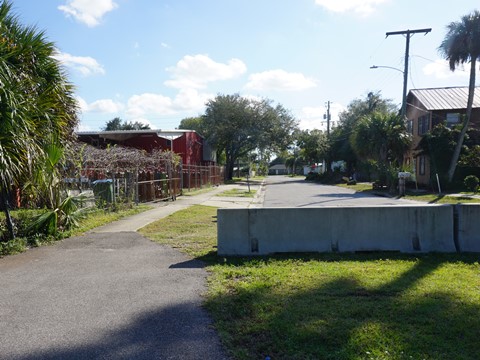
(27, 238)
(333, 306)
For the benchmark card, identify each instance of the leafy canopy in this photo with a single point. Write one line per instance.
(117, 124)
(236, 126)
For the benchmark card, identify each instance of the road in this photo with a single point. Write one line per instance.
(285, 191)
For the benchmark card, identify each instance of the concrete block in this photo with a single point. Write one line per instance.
(262, 231)
(468, 227)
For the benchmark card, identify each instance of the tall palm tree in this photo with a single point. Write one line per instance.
(36, 101)
(462, 45)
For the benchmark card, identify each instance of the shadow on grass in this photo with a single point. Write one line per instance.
(342, 319)
(437, 199)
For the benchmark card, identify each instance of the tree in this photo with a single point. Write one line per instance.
(313, 144)
(36, 102)
(236, 126)
(462, 45)
(381, 137)
(116, 124)
(192, 123)
(340, 146)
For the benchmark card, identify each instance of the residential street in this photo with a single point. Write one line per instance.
(285, 191)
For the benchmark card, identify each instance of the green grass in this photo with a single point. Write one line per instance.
(197, 191)
(238, 193)
(441, 199)
(423, 197)
(333, 306)
(358, 187)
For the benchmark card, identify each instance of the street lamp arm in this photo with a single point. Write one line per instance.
(387, 67)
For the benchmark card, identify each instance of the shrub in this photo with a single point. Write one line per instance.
(471, 183)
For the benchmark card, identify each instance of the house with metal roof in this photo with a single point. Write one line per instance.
(427, 108)
(191, 146)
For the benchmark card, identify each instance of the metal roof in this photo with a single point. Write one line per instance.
(121, 135)
(448, 98)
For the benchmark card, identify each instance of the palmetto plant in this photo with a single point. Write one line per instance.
(36, 102)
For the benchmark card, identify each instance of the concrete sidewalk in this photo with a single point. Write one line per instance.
(110, 294)
(210, 198)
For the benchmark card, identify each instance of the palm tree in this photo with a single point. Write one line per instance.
(381, 137)
(462, 45)
(36, 102)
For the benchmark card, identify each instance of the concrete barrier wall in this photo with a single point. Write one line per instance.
(467, 227)
(261, 231)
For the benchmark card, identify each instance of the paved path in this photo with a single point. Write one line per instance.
(109, 294)
(285, 191)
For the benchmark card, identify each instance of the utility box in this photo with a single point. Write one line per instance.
(103, 190)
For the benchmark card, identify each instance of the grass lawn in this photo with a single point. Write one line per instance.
(333, 306)
(423, 197)
(238, 193)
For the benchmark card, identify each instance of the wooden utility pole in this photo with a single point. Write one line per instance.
(408, 34)
(328, 117)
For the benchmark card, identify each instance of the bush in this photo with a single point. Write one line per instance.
(471, 183)
(313, 176)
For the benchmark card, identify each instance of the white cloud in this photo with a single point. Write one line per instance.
(82, 104)
(105, 106)
(362, 7)
(195, 72)
(89, 12)
(313, 117)
(144, 104)
(148, 104)
(441, 70)
(279, 80)
(85, 65)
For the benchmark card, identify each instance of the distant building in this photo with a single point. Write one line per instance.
(427, 108)
(192, 147)
(279, 169)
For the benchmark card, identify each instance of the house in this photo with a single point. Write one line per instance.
(427, 108)
(187, 143)
(279, 169)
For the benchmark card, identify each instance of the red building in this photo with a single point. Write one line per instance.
(187, 143)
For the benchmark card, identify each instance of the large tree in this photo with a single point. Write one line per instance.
(341, 148)
(236, 126)
(117, 124)
(36, 102)
(462, 45)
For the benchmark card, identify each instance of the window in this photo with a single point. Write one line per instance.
(453, 119)
(423, 124)
(409, 126)
(421, 165)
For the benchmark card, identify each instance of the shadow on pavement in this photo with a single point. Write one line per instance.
(177, 332)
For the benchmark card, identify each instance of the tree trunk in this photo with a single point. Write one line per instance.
(8, 218)
(466, 122)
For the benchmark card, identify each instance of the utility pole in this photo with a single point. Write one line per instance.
(328, 118)
(408, 34)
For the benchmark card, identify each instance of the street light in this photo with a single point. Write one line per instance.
(404, 94)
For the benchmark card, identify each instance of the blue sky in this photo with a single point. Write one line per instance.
(159, 61)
